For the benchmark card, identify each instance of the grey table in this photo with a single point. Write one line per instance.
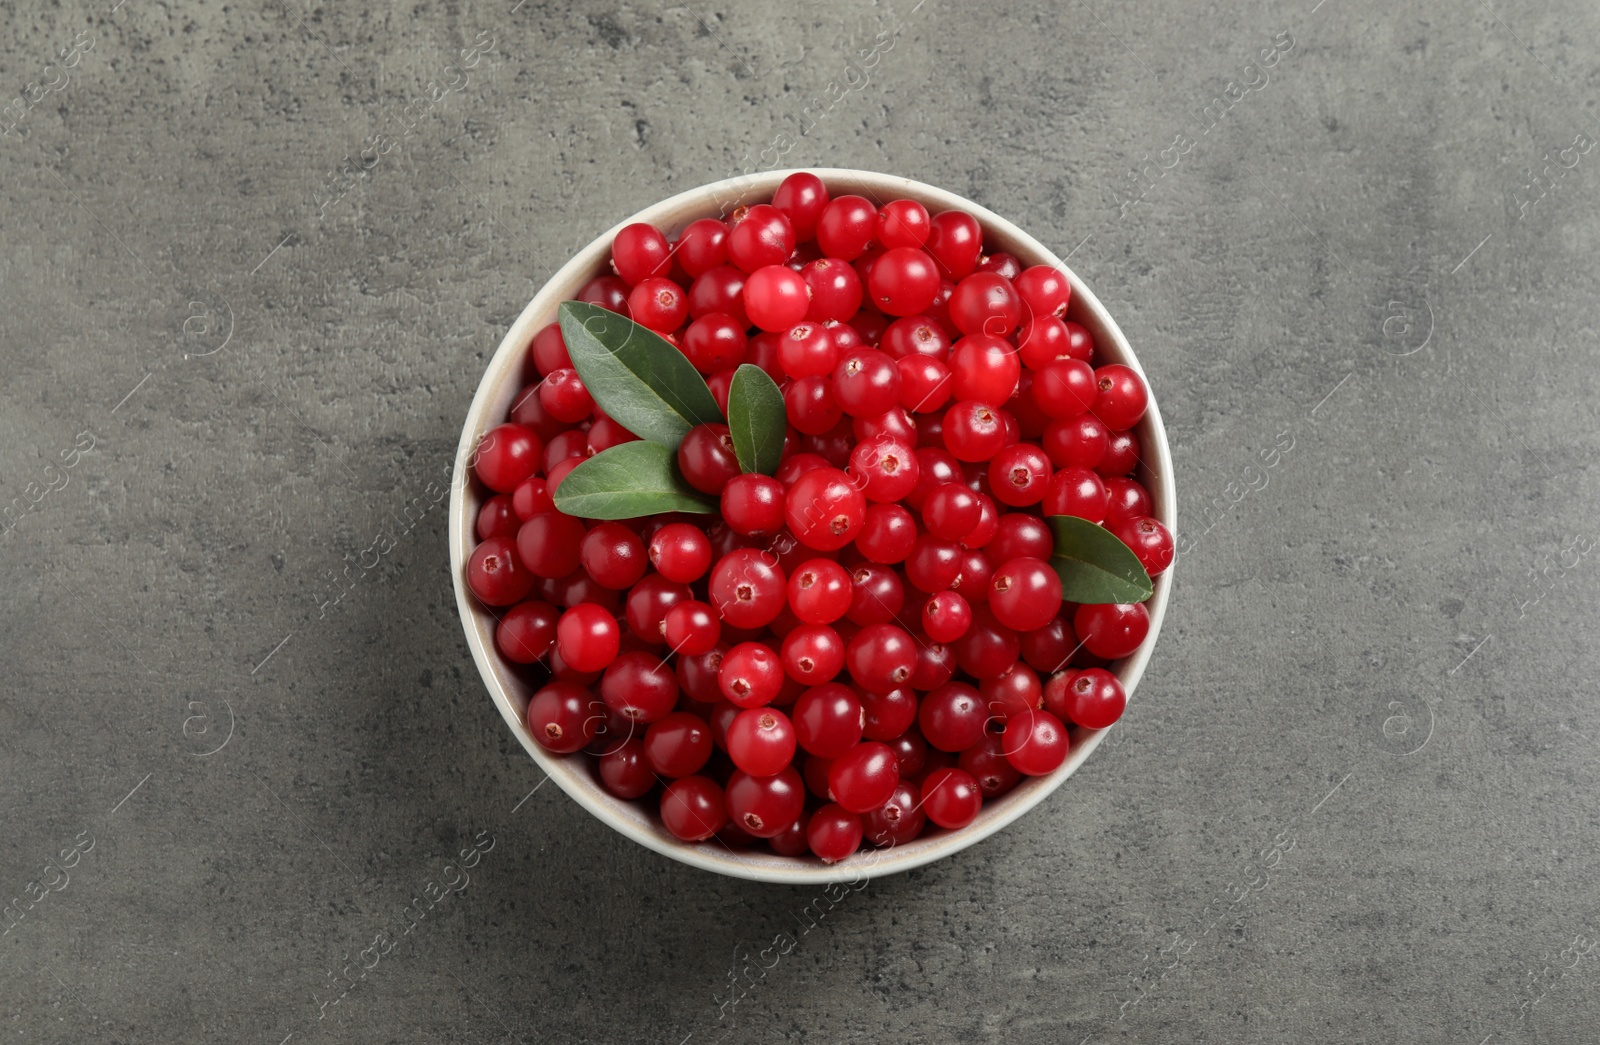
(257, 255)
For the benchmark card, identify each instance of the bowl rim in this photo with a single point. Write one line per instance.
(497, 390)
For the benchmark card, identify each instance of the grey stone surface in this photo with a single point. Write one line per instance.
(1353, 800)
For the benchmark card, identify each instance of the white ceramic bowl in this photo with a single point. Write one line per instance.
(510, 693)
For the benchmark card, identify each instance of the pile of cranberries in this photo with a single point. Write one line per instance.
(871, 642)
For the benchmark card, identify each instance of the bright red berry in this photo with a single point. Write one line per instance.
(950, 797)
(1150, 541)
(824, 509)
(563, 717)
(1092, 698)
(1111, 630)
(1035, 742)
(761, 741)
(693, 808)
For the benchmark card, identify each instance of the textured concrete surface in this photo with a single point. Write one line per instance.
(1354, 799)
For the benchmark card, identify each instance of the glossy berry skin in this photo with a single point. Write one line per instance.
(1079, 441)
(496, 574)
(548, 352)
(764, 236)
(564, 396)
(812, 654)
(819, 591)
(647, 604)
(885, 716)
(624, 771)
(885, 468)
(888, 534)
(1020, 535)
(807, 349)
(951, 511)
(833, 833)
(903, 281)
(1035, 742)
(1016, 691)
(680, 552)
(809, 404)
(903, 223)
(1042, 340)
(751, 675)
(613, 555)
(952, 717)
(760, 741)
(828, 720)
(715, 342)
(924, 384)
(507, 455)
(752, 504)
(956, 242)
(950, 797)
(802, 197)
(974, 431)
(693, 808)
(719, 291)
(866, 383)
(706, 458)
(946, 616)
(1150, 541)
(881, 657)
(678, 744)
(1019, 475)
(824, 509)
(987, 763)
(1126, 499)
(863, 778)
(527, 631)
(765, 806)
(1076, 491)
(702, 246)
(1121, 397)
(985, 369)
(1111, 630)
(936, 665)
(836, 290)
(691, 628)
(1025, 594)
(1044, 290)
(609, 292)
(563, 717)
(847, 227)
(639, 252)
(986, 303)
(1121, 456)
(989, 648)
(899, 820)
(639, 686)
(1048, 649)
(1092, 698)
(934, 564)
(1065, 388)
(659, 304)
(776, 297)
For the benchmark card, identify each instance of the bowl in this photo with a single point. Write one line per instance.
(511, 693)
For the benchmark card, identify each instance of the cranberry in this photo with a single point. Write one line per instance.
(753, 504)
(886, 467)
(751, 675)
(1019, 475)
(866, 383)
(1025, 593)
(876, 595)
(847, 227)
(1048, 648)
(764, 236)
(903, 223)
(833, 833)
(527, 631)
(956, 242)
(899, 820)
(497, 518)
(1019, 535)
(802, 197)
(1125, 499)
(691, 628)
(1042, 340)
(1121, 456)
(693, 808)
(934, 563)
(507, 455)
(698, 676)
(924, 383)
(952, 717)
(824, 509)
(638, 685)
(881, 657)
(761, 741)
(1121, 399)
(974, 431)
(776, 297)
(984, 369)
(1079, 441)
(1065, 388)
(936, 665)
(613, 555)
(1092, 697)
(680, 552)
(951, 797)
(812, 654)
(988, 765)
(888, 533)
(986, 303)
(677, 744)
(951, 510)
(946, 616)
(647, 605)
(706, 458)
(719, 290)
(702, 246)
(1076, 491)
(1035, 742)
(765, 806)
(609, 292)
(835, 290)
(819, 591)
(715, 342)
(903, 281)
(810, 406)
(548, 352)
(639, 252)
(624, 771)
(658, 304)
(828, 720)
(531, 497)
(885, 716)
(792, 840)
(1112, 630)
(988, 648)
(893, 423)
(1016, 691)
(1150, 541)
(563, 717)
(863, 778)
(495, 573)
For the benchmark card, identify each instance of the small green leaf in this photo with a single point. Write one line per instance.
(634, 479)
(757, 419)
(1094, 565)
(636, 375)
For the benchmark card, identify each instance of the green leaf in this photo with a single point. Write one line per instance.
(628, 481)
(1094, 565)
(636, 375)
(757, 418)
